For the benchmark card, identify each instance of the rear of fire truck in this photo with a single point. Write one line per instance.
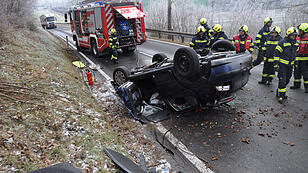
(91, 25)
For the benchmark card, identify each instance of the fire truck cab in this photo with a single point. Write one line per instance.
(91, 25)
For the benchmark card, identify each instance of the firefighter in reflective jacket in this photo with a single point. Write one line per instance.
(208, 31)
(113, 45)
(261, 38)
(284, 56)
(268, 53)
(218, 34)
(200, 40)
(243, 41)
(301, 62)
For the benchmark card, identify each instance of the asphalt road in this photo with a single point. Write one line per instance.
(256, 134)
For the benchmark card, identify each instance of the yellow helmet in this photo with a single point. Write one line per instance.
(291, 31)
(244, 28)
(203, 21)
(112, 31)
(217, 28)
(276, 29)
(268, 20)
(303, 27)
(200, 29)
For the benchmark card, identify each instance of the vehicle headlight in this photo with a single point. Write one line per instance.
(223, 88)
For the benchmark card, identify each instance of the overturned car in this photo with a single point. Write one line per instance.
(188, 81)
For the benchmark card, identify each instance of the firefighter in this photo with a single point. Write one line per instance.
(113, 45)
(200, 40)
(218, 34)
(208, 31)
(285, 53)
(243, 41)
(301, 62)
(268, 53)
(261, 38)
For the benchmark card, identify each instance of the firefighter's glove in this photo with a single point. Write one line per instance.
(296, 64)
(276, 67)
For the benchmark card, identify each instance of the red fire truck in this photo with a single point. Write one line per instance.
(91, 25)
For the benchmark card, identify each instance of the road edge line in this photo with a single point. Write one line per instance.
(179, 146)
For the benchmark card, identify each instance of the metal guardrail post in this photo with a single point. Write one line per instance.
(182, 38)
(66, 39)
(159, 36)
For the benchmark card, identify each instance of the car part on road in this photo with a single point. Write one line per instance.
(60, 168)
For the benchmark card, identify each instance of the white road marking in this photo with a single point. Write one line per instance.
(174, 141)
(183, 149)
(165, 42)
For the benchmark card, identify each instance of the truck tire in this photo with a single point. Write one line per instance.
(128, 50)
(77, 45)
(186, 64)
(159, 57)
(94, 49)
(223, 46)
(120, 75)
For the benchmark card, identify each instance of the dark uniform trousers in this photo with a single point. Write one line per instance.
(301, 70)
(284, 75)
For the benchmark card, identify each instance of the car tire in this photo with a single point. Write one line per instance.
(159, 57)
(223, 46)
(128, 50)
(186, 64)
(120, 75)
(94, 49)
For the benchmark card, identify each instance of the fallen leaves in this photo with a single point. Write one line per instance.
(214, 158)
(246, 140)
(261, 134)
(289, 143)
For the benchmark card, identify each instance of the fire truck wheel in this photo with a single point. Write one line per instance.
(94, 49)
(77, 46)
(128, 50)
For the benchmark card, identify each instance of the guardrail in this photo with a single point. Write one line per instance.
(171, 34)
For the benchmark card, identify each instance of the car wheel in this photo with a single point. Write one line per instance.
(223, 46)
(128, 50)
(159, 57)
(186, 64)
(120, 75)
(94, 49)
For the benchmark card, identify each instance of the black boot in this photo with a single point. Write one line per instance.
(269, 82)
(306, 90)
(262, 82)
(294, 87)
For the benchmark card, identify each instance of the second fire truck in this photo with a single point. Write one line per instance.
(91, 25)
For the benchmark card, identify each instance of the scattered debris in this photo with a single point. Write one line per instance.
(289, 143)
(277, 114)
(214, 158)
(246, 140)
(261, 134)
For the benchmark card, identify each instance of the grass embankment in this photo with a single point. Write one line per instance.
(47, 113)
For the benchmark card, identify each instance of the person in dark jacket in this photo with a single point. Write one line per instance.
(262, 36)
(301, 62)
(218, 34)
(113, 45)
(200, 40)
(243, 41)
(285, 54)
(269, 48)
(208, 31)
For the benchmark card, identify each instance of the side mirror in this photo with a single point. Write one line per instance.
(65, 17)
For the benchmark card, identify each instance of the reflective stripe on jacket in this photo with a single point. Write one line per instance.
(243, 43)
(269, 48)
(262, 36)
(303, 48)
(199, 42)
(113, 41)
(286, 51)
